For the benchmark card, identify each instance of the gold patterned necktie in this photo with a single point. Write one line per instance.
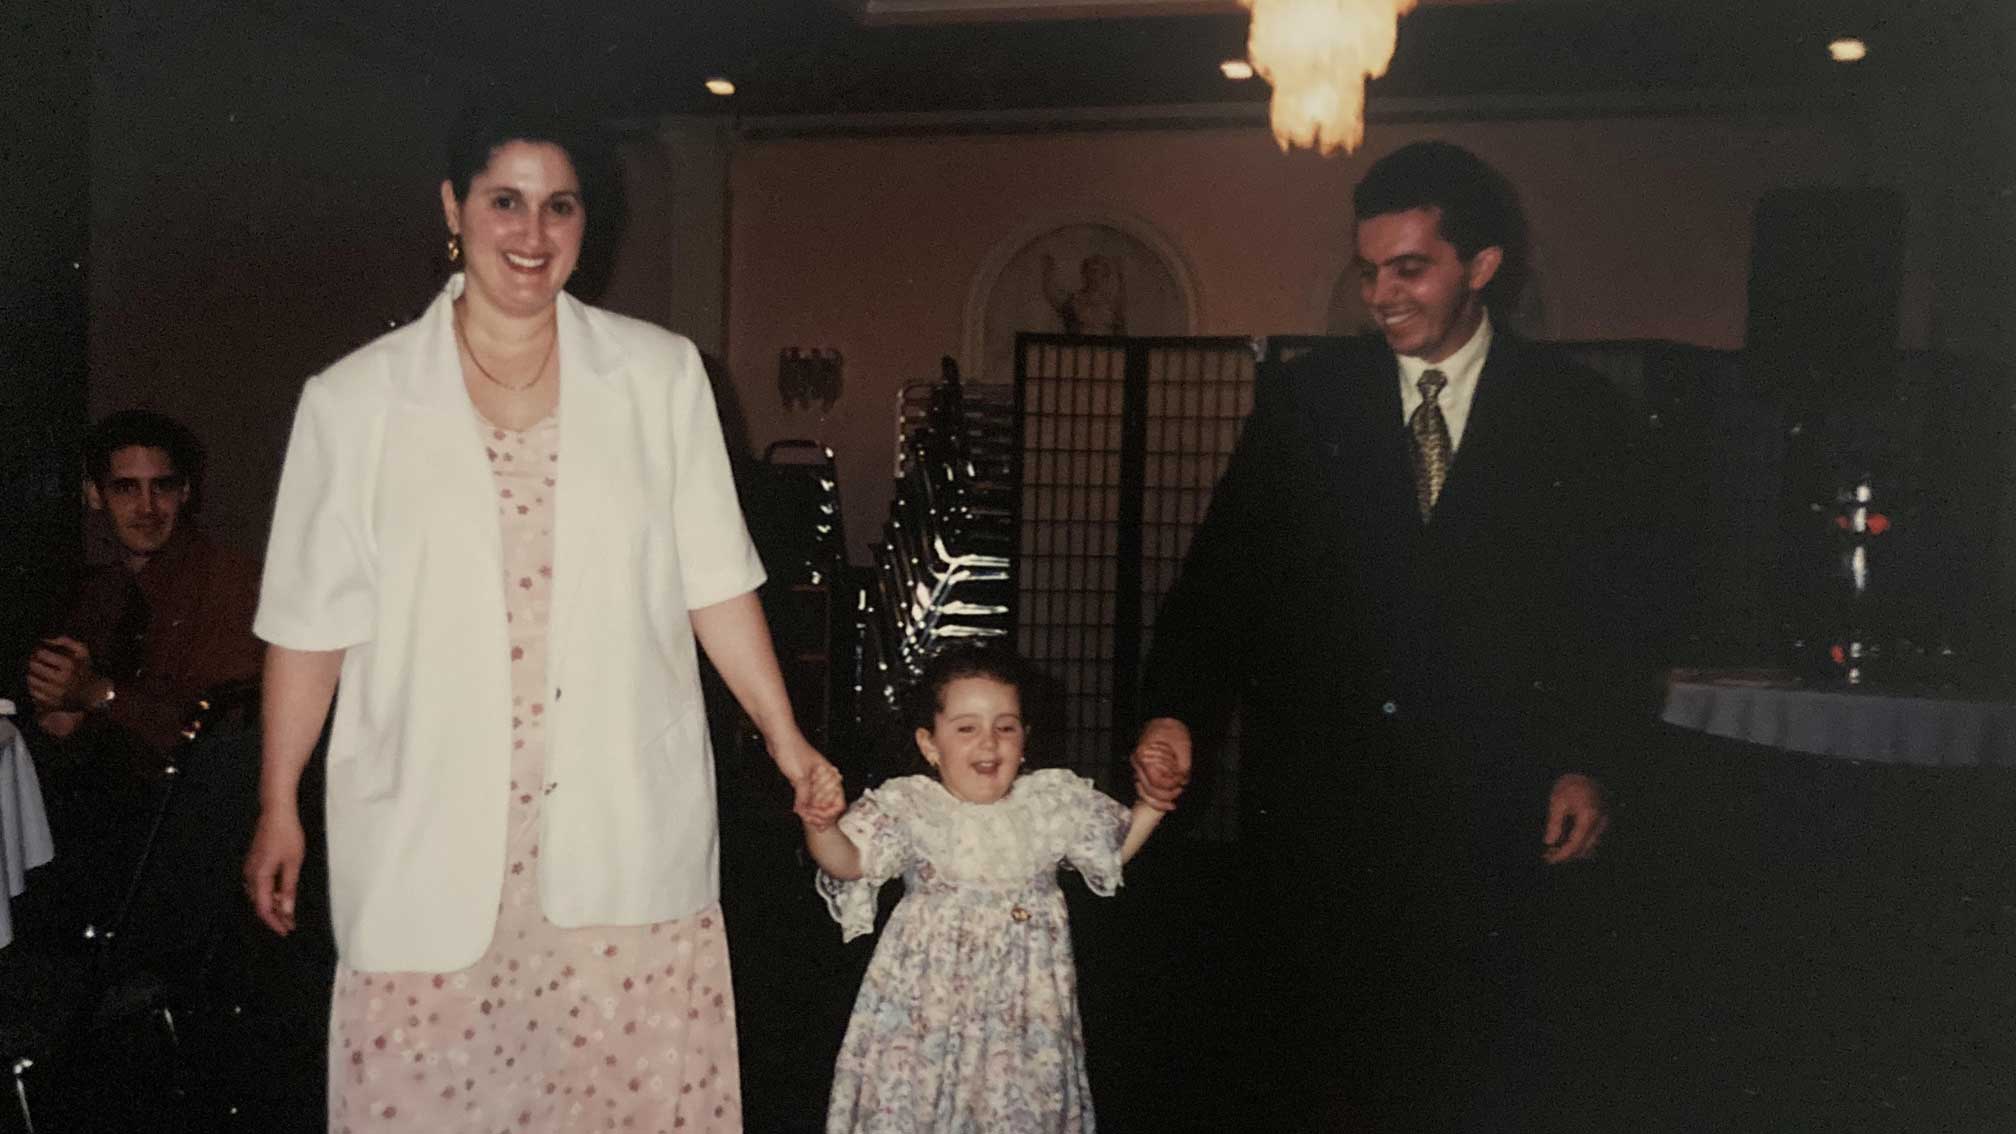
(1429, 438)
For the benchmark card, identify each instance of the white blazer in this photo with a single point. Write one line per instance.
(385, 545)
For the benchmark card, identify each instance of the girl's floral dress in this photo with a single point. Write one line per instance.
(967, 1020)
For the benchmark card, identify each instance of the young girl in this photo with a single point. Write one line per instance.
(967, 1020)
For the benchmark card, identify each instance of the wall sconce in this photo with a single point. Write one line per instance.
(809, 374)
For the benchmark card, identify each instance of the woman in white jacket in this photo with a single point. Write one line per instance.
(504, 526)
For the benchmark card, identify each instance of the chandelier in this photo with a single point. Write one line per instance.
(1318, 54)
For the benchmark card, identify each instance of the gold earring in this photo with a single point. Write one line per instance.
(454, 247)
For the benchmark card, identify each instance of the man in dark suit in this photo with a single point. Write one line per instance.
(1421, 583)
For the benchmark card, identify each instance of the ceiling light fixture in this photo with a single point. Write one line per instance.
(720, 86)
(1847, 49)
(1238, 70)
(1318, 54)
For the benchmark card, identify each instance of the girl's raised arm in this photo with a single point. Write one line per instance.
(835, 853)
(1140, 825)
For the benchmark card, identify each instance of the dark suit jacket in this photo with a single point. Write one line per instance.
(1407, 678)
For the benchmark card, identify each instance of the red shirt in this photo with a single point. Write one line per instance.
(164, 636)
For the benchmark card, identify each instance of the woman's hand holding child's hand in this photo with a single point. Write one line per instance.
(826, 799)
(821, 804)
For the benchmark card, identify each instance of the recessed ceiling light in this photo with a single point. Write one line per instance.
(720, 86)
(1237, 70)
(1847, 49)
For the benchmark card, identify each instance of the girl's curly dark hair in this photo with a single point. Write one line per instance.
(925, 697)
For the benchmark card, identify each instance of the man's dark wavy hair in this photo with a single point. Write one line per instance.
(149, 430)
(1478, 207)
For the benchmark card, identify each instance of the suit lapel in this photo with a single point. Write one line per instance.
(1490, 439)
(1354, 405)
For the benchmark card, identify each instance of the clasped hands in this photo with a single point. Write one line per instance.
(63, 684)
(816, 793)
(60, 676)
(1162, 762)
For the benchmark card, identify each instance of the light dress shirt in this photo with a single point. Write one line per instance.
(1462, 369)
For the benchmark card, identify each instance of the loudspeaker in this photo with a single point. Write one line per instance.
(1826, 269)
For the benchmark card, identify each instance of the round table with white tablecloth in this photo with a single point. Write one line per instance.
(24, 825)
(1855, 723)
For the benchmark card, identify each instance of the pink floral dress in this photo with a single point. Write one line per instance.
(559, 1031)
(967, 1020)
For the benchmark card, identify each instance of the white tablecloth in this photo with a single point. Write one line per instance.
(1890, 728)
(24, 825)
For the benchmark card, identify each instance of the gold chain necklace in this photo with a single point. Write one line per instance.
(537, 377)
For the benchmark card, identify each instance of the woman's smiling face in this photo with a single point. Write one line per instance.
(521, 226)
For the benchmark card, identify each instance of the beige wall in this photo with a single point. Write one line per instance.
(871, 246)
(251, 224)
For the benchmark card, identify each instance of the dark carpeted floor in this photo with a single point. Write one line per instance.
(1777, 943)
(1781, 944)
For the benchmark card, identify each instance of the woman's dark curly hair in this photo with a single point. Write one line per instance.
(489, 124)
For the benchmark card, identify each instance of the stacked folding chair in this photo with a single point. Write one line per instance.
(791, 499)
(943, 570)
(794, 512)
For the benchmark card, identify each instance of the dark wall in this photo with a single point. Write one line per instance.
(45, 177)
(263, 200)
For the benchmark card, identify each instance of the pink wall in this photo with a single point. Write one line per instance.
(871, 245)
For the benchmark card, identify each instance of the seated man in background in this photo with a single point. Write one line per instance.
(170, 619)
(117, 678)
